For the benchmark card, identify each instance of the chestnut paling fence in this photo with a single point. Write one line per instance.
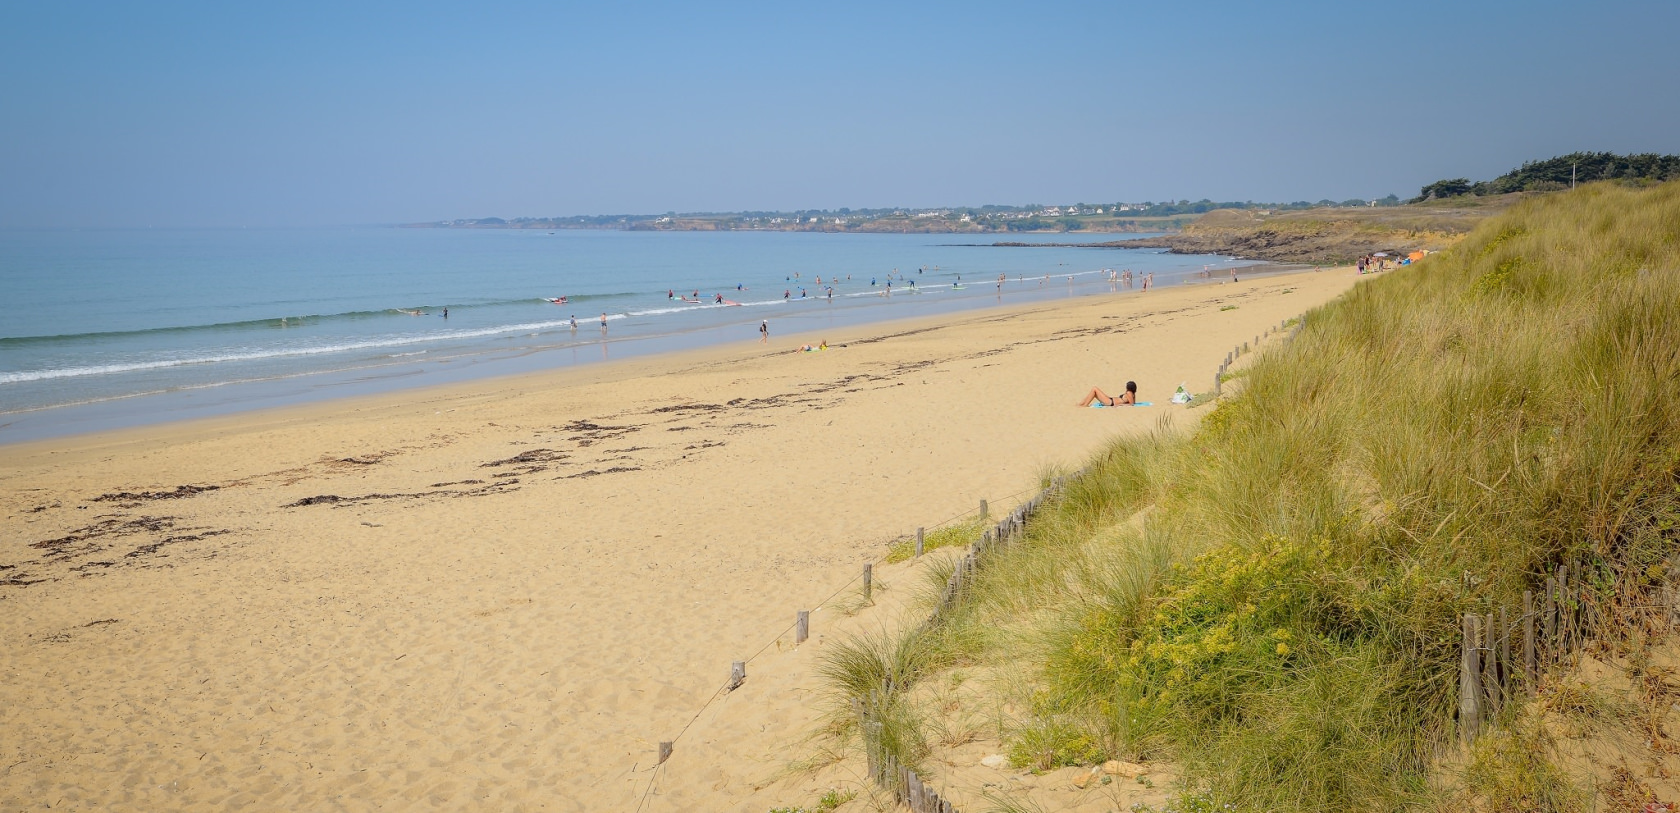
(1507, 653)
(885, 766)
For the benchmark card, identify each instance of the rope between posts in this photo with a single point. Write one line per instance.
(724, 689)
(905, 785)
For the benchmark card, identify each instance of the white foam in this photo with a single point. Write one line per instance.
(284, 352)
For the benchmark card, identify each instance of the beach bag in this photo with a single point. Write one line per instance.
(1181, 397)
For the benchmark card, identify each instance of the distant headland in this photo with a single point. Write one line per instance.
(1080, 217)
(1324, 231)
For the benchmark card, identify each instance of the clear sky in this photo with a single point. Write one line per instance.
(280, 114)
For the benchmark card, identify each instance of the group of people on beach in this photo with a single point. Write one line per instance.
(1372, 263)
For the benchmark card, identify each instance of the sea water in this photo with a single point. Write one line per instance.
(108, 328)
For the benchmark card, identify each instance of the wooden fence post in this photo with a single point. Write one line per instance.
(1549, 623)
(664, 752)
(1488, 647)
(919, 542)
(1505, 668)
(1469, 711)
(1566, 610)
(868, 581)
(737, 674)
(802, 627)
(1530, 664)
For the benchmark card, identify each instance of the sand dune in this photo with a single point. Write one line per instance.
(503, 595)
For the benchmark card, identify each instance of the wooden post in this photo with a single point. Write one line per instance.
(1566, 612)
(919, 542)
(1218, 384)
(983, 513)
(1504, 655)
(1488, 644)
(1469, 709)
(868, 581)
(737, 674)
(802, 627)
(1548, 621)
(664, 752)
(1529, 663)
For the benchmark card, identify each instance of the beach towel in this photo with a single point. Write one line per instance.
(1101, 405)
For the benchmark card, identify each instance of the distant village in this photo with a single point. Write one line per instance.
(1148, 216)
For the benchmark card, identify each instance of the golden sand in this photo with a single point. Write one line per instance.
(502, 595)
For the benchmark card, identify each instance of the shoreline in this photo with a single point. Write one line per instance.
(511, 590)
(148, 409)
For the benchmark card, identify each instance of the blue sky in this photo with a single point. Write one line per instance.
(233, 114)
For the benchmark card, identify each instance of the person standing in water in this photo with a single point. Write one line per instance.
(603, 322)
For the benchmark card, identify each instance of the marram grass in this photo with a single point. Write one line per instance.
(1273, 600)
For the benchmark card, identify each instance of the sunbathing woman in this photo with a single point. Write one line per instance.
(1126, 398)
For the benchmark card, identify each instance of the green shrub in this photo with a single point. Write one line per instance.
(962, 533)
(1051, 743)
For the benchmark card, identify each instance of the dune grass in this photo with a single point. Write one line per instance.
(1272, 600)
(957, 533)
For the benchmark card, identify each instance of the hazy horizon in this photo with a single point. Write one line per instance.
(184, 114)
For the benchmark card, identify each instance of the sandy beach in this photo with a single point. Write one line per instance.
(502, 595)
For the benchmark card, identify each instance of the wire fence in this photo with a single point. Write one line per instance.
(800, 624)
(885, 766)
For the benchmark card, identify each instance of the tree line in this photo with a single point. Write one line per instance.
(1560, 173)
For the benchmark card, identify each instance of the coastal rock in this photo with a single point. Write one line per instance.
(1121, 768)
(997, 761)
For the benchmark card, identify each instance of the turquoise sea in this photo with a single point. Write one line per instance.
(109, 328)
